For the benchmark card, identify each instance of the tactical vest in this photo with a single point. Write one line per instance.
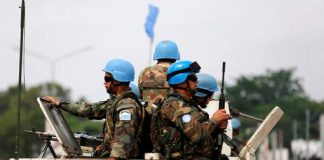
(166, 137)
(109, 128)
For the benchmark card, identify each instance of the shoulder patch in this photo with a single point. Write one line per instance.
(125, 115)
(186, 118)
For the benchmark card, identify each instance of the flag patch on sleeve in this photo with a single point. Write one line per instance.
(125, 115)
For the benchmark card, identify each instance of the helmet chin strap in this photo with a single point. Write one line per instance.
(203, 106)
(112, 86)
(109, 91)
(201, 101)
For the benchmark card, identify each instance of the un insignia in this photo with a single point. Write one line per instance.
(186, 118)
(125, 115)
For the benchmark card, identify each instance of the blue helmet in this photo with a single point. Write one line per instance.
(166, 50)
(178, 71)
(121, 70)
(134, 89)
(207, 85)
(236, 123)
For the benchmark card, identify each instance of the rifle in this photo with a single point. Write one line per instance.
(220, 133)
(86, 140)
(47, 137)
(43, 135)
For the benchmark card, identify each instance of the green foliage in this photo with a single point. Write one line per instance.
(79, 124)
(6, 97)
(32, 117)
(92, 127)
(263, 89)
(258, 95)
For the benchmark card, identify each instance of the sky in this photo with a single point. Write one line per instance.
(250, 36)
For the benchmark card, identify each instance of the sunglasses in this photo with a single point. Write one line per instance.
(209, 93)
(108, 79)
(192, 77)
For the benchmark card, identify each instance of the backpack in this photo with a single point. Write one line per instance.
(153, 82)
(145, 143)
(167, 139)
(156, 123)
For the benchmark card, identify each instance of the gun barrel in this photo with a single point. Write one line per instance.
(41, 133)
(235, 112)
(250, 117)
(86, 140)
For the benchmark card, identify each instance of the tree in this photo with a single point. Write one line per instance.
(32, 117)
(263, 89)
(257, 95)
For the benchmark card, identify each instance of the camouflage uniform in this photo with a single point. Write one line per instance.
(124, 122)
(185, 130)
(153, 87)
(91, 111)
(122, 137)
(153, 82)
(207, 146)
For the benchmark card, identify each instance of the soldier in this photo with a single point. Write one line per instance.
(153, 85)
(206, 87)
(124, 117)
(91, 111)
(236, 125)
(152, 80)
(179, 127)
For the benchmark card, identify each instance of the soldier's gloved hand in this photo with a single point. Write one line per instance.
(221, 116)
(53, 100)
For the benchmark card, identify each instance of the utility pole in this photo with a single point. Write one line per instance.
(21, 57)
(54, 61)
(295, 136)
(307, 116)
(322, 135)
(295, 128)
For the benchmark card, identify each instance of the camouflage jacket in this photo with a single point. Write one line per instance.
(153, 81)
(91, 111)
(185, 129)
(124, 122)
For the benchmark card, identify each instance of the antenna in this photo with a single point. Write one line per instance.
(22, 26)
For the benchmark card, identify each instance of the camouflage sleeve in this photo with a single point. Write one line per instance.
(126, 125)
(185, 119)
(91, 111)
(140, 87)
